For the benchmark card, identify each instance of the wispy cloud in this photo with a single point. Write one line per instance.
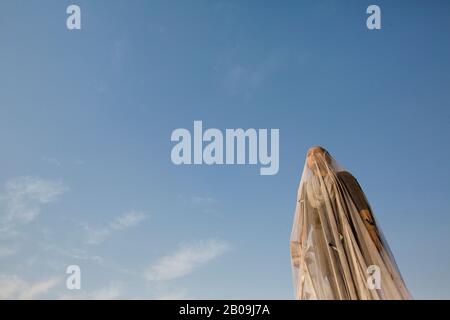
(241, 78)
(23, 198)
(14, 287)
(42, 287)
(71, 253)
(10, 286)
(52, 161)
(245, 78)
(8, 251)
(111, 292)
(56, 162)
(127, 220)
(85, 257)
(178, 294)
(186, 259)
(203, 200)
(200, 203)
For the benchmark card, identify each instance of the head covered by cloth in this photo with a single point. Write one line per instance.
(337, 248)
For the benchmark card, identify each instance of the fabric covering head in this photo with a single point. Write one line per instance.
(337, 248)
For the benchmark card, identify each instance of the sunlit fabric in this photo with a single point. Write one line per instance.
(338, 251)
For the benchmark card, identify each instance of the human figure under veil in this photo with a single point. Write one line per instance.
(337, 249)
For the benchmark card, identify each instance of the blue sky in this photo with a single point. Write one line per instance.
(86, 118)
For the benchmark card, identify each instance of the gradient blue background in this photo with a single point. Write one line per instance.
(94, 109)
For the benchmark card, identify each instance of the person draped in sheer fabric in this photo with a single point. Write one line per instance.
(338, 251)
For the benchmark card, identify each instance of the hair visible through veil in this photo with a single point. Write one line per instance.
(337, 248)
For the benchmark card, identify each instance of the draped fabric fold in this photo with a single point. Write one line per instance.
(338, 251)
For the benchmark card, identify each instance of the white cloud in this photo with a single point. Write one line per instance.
(94, 235)
(8, 251)
(178, 294)
(200, 203)
(35, 290)
(247, 78)
(186, 259)
(203, 200)
(110, 292)
(52, 161)
(127, 220)
(13, 287)
(239, 78)
(71, 253)
(23, 198)
(10, 286)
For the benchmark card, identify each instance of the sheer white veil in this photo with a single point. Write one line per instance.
(337, 248)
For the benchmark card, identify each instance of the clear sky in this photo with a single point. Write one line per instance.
(86, 117)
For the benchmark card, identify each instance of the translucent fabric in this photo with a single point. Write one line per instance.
(338, 251)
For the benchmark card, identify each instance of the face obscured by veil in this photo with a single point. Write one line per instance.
(337, 248)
